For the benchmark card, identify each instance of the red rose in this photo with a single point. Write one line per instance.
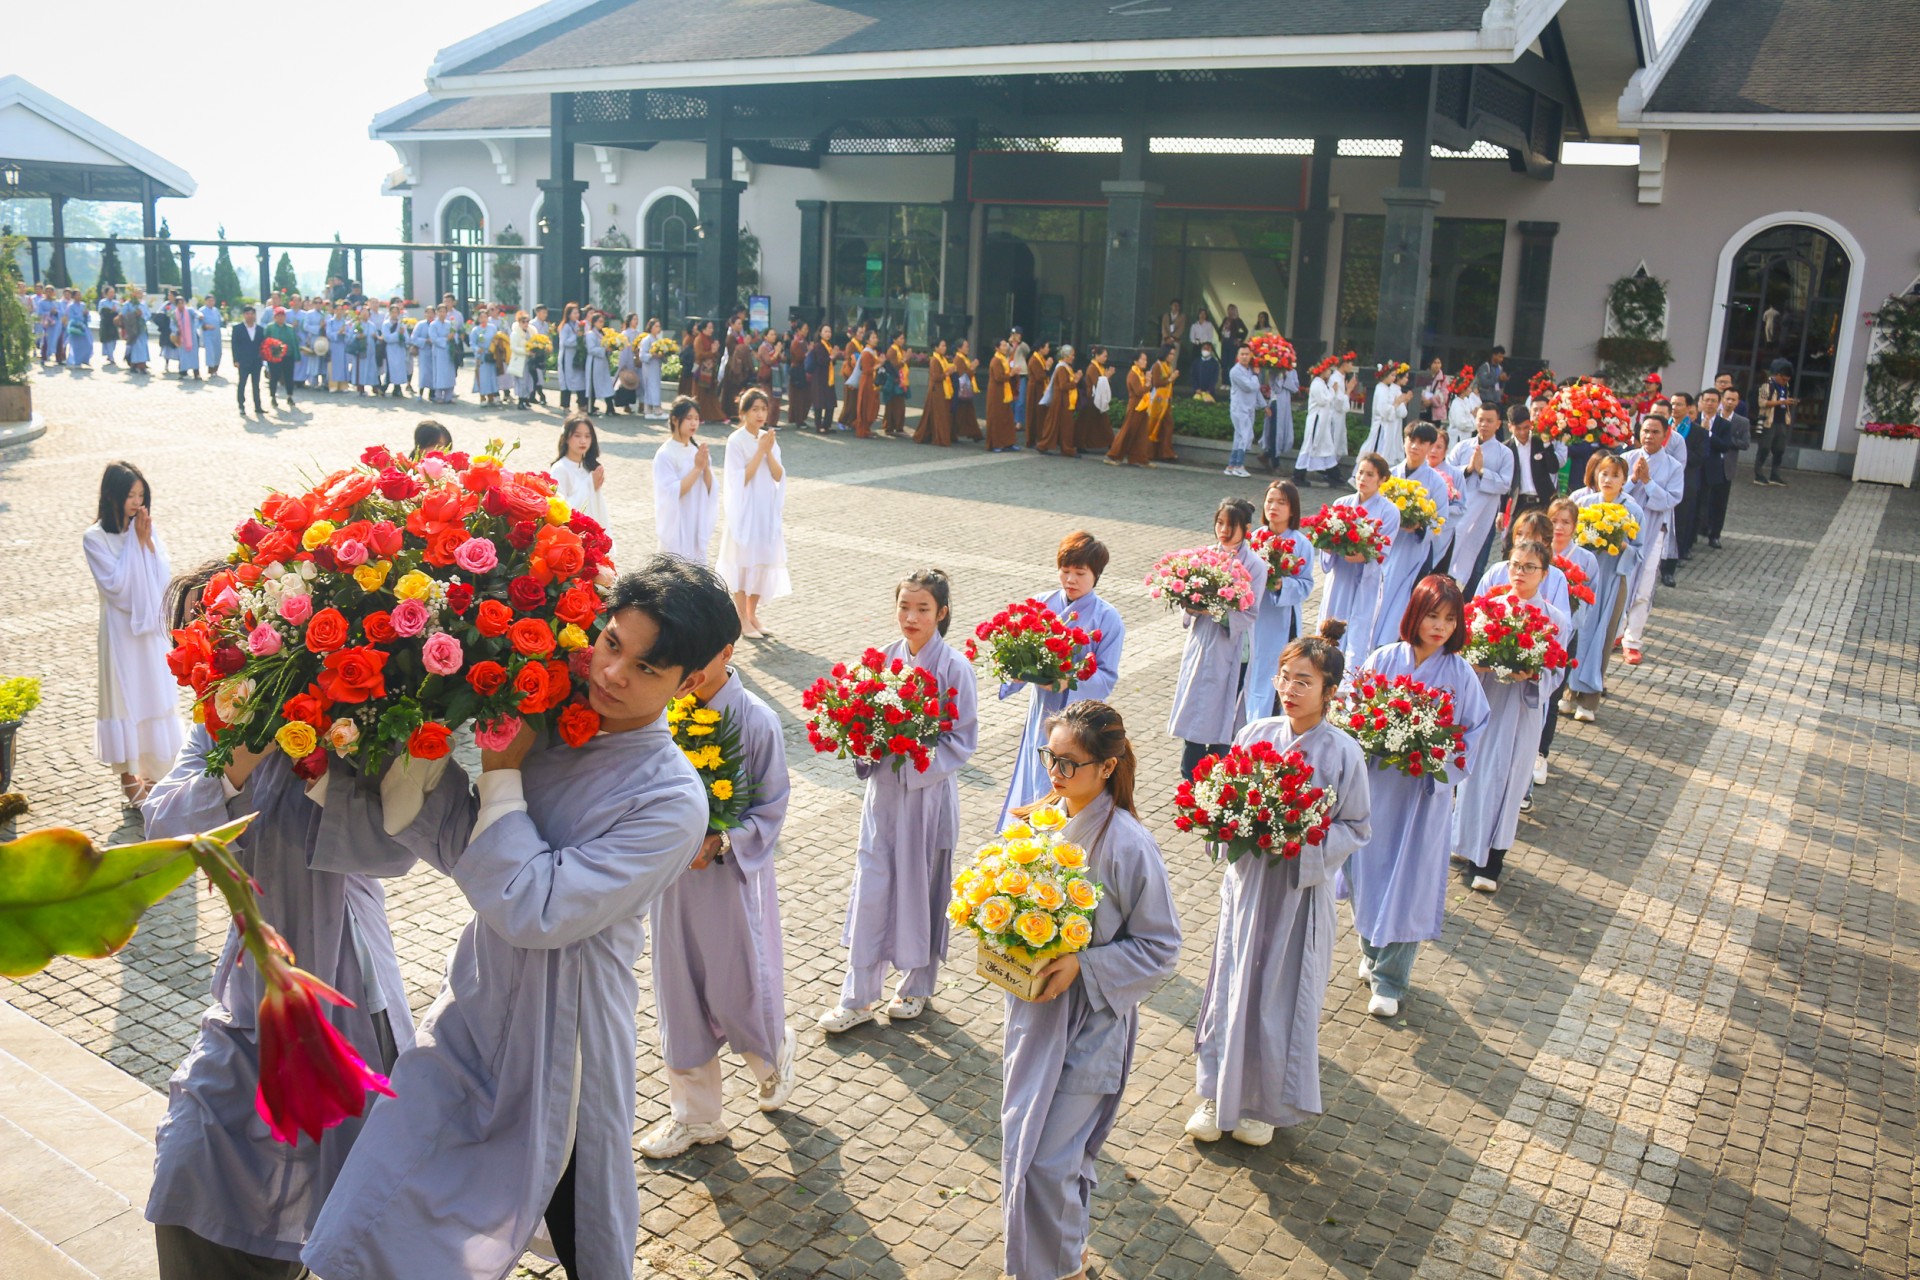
(287, 513)
(493, 618)
(309, 767)
(532, 637)
(228, 659)
(354, 675)
(524, 503)
(559, 683)
(578, 604)
(250, 532)
(557, 553)
(531, 684)
(428, 742)
(486, 678)
(281, 545)
(308, 708)
(377, 456)
(191, 648)
(526, 592)
(383, 539)
(326, 631)
(379, 627)
(578, 724)
(481, 476)
(460, 597)
(397, 486)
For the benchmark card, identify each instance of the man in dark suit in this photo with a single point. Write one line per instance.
(1696, 429)
(1727, 434)
(245, 341)
(1536, 471)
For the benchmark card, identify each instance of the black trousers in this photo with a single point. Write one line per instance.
(1687, 516)
(280, 377)
(1713, 517)
(823, 407)
(1771, 444)
(186, 1256)
(247, 374)
(560, 1220)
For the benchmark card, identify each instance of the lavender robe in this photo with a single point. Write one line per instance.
(1279, 623)
(717, 955)
(1066, 1062)
(79, 335)
(1486, 813)
(395, 333)
(1484, 495)
(217, 1171)
(1207, 703)
(1598, 624)
(1552, 592)
(1353, 592)
(210, 326)
(1090, 613)
(1258, 1038)
(571, 378)
(909, 824)
(436, 342)
(528, 1054)
(486, 378)
(1658, 497)
(311, 324)
(1397, 880)
(600, 384)
(1409, 559)
(137, 346)
(1455, 507)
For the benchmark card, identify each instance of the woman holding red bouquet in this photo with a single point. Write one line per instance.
(1353, 589)
(1397, 880)
(1258, 1040)
(1279, 621)
(1564, 513)
(909, 823)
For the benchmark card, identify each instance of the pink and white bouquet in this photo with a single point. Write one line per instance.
(1209, 580)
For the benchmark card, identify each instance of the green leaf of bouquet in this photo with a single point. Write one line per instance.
(61, 896)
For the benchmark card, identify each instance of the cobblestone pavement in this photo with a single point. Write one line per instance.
(1681, 1041)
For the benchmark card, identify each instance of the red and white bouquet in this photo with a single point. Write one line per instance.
(1585, 411)
(392, 603)
(1463, 381)
(1281, 550)
(1512, 638)
(1271, 351)
(879, 709)
(1346, 529)
(1255, 799)
(1403, 724)
(1027, 642)
(1579, 592)
(1209, 579)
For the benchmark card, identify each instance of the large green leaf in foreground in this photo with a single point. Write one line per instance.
(61, 896)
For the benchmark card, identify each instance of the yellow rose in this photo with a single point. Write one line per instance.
(317, 534)
(1082, 894)
(1018, 831)
(722, 789)
(994, 914)
(987, 852)
(1047, 819)
(414, 585)
(1036, 928)
(979, 890)
(1076, 932)
(372, 577)
(1070, 856)
(1047, 895)
(572, 637)
(1023, 851)
(558, 512)
(1014, 882)
(297, 739)
(958, 912)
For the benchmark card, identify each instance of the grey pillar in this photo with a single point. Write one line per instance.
(811, 305)
(359, 269)
(1310, 263)
(57, 269)
(953, 322)
(1126, 301)
(1530, 303)
(265, 253)
(563, 265)
(186, 271)
(149, 228)
(1406, 255)
(717, 269)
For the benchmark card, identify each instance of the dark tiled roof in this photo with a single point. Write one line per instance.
(1798, 56)
(639, 32)
(504, 111)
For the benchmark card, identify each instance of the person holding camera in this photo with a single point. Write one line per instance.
(1774, 421)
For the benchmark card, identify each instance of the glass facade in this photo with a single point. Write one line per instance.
(1463, 289)
(1043, 269)
(886, 266)
(461, 274)
(1786, 301)
(1216, 260)
(668, 281)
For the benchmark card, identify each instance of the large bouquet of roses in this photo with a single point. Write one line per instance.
(1463, 381)
(1405, 725)
(392, 603)
(1208, 579)
(1281, 551)
(879, 709)
(1027, 641)
(1026, 897)
(1418, 513)
(1606, 527)
(1255, 799)
(1578, 591)
(711, 742)
(1585, 411)
(1512, 638)
(1271, 351)
(1346, 529)
(1542, 385)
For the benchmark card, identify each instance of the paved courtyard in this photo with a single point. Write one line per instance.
(1681, 1041)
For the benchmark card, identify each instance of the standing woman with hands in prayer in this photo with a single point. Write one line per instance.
(1207, 700)
(753, 551)
(685, 494)
(578, 475)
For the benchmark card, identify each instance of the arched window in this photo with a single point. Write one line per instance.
(1786, 301)
(670, 225)
(461, 274)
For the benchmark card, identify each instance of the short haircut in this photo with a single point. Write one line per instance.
(116, 482)
(431, 434)
(1517, 413)
(690, 606)
(1423, 432)
(1432, 594)
(1499, 351)
(1292, 495)
(1083, 550)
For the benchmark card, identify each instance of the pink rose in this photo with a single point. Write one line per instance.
(351, 553)
(296, 609)
(498, 735)
(476, 555)
(263, 640)
(434, 468)
(410, 617)
(442, 654)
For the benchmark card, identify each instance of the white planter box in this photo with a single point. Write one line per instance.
(1879, 460)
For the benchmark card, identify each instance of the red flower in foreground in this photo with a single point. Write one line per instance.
(310, 1077)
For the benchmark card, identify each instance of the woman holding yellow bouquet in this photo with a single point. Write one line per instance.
(1610, 524)
(1069, 1050)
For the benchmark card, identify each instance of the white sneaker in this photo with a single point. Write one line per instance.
(775, 1092)
(670, 1137)
(1539, 771)
(840, 1018)
(1582, 715)
(1483, 884)
(1366, 970)
(906, 1008)
(1382, 1007)
(1253, 1133)
(1204, 1124)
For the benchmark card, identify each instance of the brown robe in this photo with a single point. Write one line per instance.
(1063, 408)
(1037, 367)
(896, 408)
(1001, 433)
(741, 368)
(936, 416)
(1131, 446)
(966, 424)
(850, 397)
(706, 390)
(1092, 428)
(687, 365)
(765, 358)
(867, 411)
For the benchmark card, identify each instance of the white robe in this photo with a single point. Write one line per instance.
(753, 550)
(574, 484)
(1385, 436)
(1463, 418)
(684, 522)
(1326, 426)
(137, 724)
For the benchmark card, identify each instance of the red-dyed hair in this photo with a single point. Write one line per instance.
(1434, 593)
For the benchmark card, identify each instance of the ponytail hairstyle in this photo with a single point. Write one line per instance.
(1239, 513)
(1098, 730)
(934, 582)
(1323, 651)
(1534, 525)
(1380, 466)
(682, 406)
(185, 592)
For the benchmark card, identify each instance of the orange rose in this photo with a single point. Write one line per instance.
(531, 684)
(486, 678)
(279, 544)
(559, 683)
(481, 476)
(308, 708)
(428, 742)
(557, 554)
(339, 492)
(531, 637)
(578, 724)
(326, 631)
(441, 507)
(287, 512)
(442, 543)
(493, 618)
(354, 675)
(379, 627)
(578, 604)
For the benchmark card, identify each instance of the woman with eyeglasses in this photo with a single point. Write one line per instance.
(1487, 815)
(909, 824)
(1258, 1041)
(1069, 1050)
(1207, 700)
(1563, 515)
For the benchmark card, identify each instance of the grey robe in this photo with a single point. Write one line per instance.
(1486, 807)
(1207, 701)
(909, 823)
(1259, 1035)
(717, 956)
(217, 1171)
(1066, 1062)
(528, 1053)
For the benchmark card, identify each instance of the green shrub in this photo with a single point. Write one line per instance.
(18, 697)
(16, 326)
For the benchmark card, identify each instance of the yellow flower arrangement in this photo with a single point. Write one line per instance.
(710, 741)
(1026, 896)
(1606, 527)
(1418, 513)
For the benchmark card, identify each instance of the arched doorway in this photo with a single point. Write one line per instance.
(461, 274)
(1787, 299)
(670, 223)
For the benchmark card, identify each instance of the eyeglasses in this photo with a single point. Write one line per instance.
(1525, 566)
(1061, 765)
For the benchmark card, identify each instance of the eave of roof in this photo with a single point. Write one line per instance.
(175, 181)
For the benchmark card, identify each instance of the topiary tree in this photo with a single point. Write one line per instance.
(284, 280)
(1893, 373)
(16, 327)
(1635, 344)
(406, 237)
(111, 272)
(226, 281)
(169, 265)
(507, 270)
(337, 261)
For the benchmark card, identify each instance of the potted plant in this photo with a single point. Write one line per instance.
(18, 697)
(1889, 445)
(16, 336)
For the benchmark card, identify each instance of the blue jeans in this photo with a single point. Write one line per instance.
(1392, 965)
